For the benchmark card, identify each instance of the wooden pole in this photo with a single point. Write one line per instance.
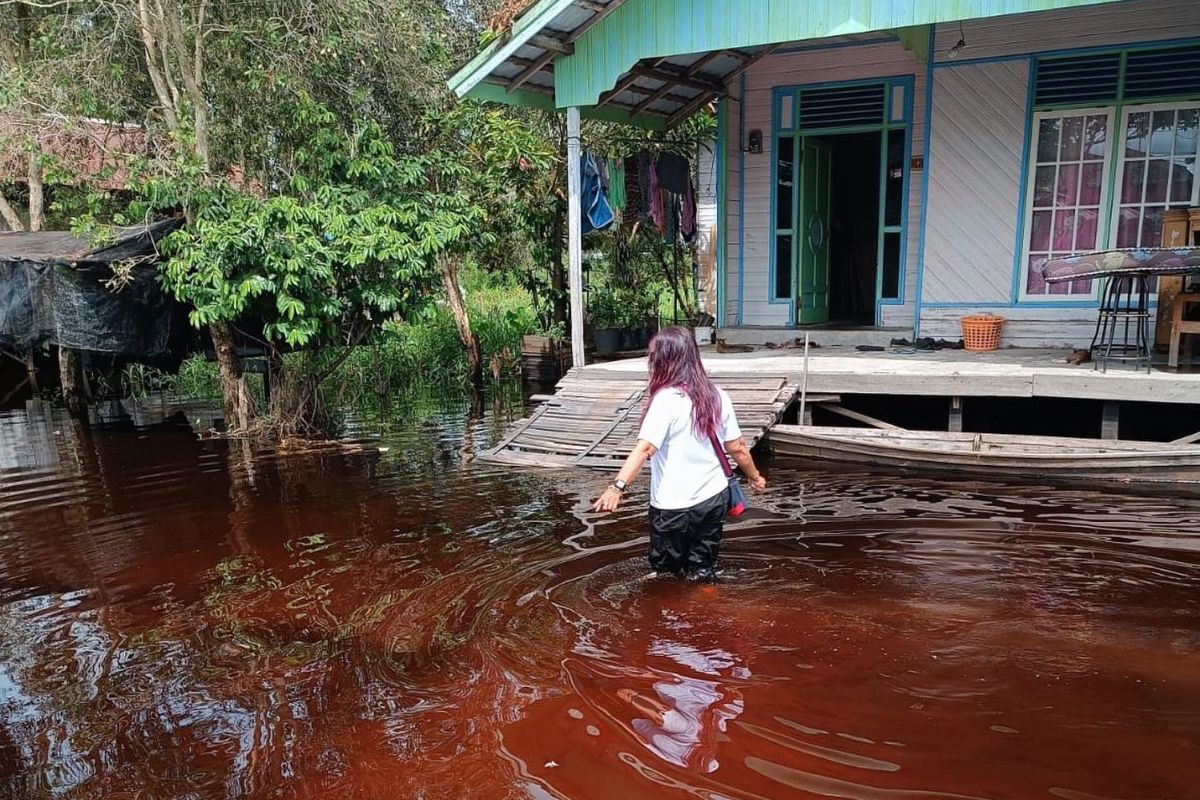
(804, 386)
(575, 236)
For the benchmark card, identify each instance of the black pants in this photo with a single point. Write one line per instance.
(688, 539)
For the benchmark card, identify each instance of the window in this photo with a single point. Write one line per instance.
(785, 215)
(1066, 192)
(1157, 171)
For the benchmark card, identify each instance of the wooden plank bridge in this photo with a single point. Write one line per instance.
(592, 419)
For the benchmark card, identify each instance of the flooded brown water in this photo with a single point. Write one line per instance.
(182, 619)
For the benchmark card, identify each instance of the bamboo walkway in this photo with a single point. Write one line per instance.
(592, 419)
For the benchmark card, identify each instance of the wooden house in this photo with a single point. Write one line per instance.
(892, 164)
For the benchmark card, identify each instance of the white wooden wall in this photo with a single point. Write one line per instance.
(976, 141)
(876, 60)
(706, 225)
(1101, 25)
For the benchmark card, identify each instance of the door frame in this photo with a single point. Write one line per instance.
(899, 99)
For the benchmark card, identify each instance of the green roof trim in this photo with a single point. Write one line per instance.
(662, 28)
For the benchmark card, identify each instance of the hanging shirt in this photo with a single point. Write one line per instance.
(597, 214)
(616, 184)
(674, 172)
(684, 471)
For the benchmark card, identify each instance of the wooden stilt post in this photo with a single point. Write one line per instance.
(575, 236)
(805, 411)
(31, 371)
(955, 425)
(1110, 422)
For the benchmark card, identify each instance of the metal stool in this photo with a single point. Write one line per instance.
(1123, 327)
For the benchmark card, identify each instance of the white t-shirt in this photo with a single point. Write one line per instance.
(685, 470)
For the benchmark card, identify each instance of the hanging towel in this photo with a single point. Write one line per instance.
(597, 214)
(616, 184)
(674, 172)
(645, 166)
(658, 201)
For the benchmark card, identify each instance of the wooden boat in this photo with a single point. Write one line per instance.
(990, 455)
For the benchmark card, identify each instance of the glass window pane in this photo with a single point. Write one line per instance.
(1185, 131)
(894, 188)
(1071, 146)
(1129, 222)
(783, 267)
(785, 179)
(1086, 227)
(1068, 185)
(1151, 227)
(896, 107)
(1157, 177)
(1131, 183)
(1048, 140)
(1063, 240)
(891, 266)
(786, 118)
(1095, 140)
(1182, 175)
(1039, 235)
(1137, 134)
(1091, 184)
(1162, 133)
(1043, 187)
(1034, 284)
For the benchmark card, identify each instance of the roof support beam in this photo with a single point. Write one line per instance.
(599, 12)
(662, 92)
(683, 78)
(554, 44)
(691, 108)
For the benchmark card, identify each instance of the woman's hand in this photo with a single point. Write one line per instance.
(608, 500)
(758, 483)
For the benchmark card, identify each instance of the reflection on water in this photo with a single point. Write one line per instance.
(189, 618)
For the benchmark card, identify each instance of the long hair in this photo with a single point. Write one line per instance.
(675, 364)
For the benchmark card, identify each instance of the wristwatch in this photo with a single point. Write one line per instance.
(619, 485)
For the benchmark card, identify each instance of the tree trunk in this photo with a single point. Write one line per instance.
(70, 372)
(462, 320)
(37, 203)
(233, 385)
(10, 215)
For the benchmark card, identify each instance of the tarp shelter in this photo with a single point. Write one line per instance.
(56, 288)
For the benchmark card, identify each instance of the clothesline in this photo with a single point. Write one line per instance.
(639, 188)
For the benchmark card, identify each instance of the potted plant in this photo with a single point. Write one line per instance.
(606, 314)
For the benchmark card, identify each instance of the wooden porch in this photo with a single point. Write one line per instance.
(591, 420)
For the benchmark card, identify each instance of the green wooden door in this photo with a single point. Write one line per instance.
(812, 236)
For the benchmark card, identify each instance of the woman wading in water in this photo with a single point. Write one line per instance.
(686, 423)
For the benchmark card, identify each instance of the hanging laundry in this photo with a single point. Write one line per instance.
(615, 168)
(687, 213)
(634, 206)
(597, 213)
(645, 170)
(658, 207)
(674, 172)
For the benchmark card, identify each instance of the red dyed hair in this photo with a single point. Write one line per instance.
(675, 364)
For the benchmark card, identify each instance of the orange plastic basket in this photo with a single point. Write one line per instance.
(982, 331)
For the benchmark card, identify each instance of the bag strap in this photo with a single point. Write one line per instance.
(712, 437)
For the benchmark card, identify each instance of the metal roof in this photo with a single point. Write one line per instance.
(669, 89)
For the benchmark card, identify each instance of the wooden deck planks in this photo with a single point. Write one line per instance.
(593, 417)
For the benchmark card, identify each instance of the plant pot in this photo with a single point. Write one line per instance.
(643, 336)
(704, 335)
(629, 339)
(607, 341)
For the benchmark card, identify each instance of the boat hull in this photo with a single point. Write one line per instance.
(992, 455)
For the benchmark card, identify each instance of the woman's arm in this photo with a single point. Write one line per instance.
(741, 454)
(611, 497)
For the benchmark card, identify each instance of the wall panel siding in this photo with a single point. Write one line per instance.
(978, 132)
(1024, 326)
(1126, 22)
(733, 211)
(876, 60)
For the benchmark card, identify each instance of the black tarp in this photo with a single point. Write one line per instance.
(55, 289)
